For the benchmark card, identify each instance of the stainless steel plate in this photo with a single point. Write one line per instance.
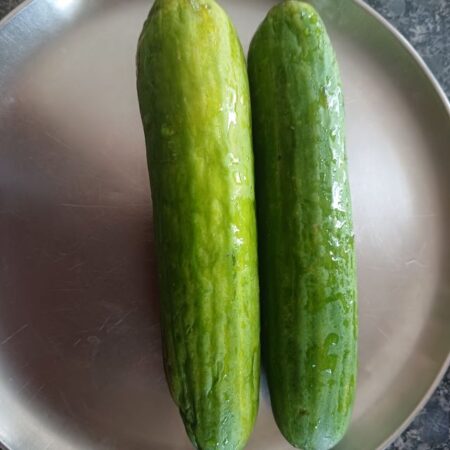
(80, 361)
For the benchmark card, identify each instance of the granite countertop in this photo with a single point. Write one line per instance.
(426, 24)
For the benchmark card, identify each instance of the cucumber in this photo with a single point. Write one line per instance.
(195, 105)
(306, 241)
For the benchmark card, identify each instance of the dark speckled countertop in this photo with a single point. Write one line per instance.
(426, 24)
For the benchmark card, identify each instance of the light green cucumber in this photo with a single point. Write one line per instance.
(195, 107)
(306, 242)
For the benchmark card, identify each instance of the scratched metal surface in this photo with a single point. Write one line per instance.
(80, 361)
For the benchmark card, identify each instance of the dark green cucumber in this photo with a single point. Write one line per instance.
(306, 243)
(195, 107)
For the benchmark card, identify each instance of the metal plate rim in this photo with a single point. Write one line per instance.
(14, 12)
(411, 50)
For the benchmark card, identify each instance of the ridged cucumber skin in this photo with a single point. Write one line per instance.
(306, 240)
(195, 106)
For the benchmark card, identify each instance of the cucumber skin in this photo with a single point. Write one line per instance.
(306, 242)
(195, 107)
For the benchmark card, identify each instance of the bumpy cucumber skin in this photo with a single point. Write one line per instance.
(306, 241)
(195, 106)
